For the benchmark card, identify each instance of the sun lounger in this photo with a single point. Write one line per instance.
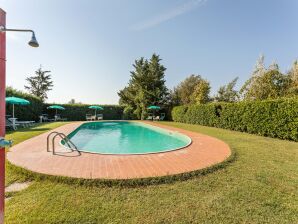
(10, 125)
(89, 117)
(156, 118)
(160, 118)
(99, 117)
(45, 118)
(21, 123)
(150, 117)
(59, 118)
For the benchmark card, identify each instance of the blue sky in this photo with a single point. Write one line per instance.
(90, 45)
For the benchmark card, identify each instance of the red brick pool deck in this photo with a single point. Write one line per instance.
(31, 154)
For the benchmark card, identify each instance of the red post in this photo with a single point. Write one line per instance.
(2, 114)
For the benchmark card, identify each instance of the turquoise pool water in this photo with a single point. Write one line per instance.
(126, 138)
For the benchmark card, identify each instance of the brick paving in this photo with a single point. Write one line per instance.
(203, 152)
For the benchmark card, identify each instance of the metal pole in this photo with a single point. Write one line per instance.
(2, 113)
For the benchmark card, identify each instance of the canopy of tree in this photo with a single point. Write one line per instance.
(40, 84)
(194, 89)
(146, 87)
(269, 83)
(227, 93)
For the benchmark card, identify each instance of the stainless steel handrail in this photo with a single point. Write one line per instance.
(64, 138)
(48, 139)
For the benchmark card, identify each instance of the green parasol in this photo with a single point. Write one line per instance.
(56, 107)
(95, 107)
(15, 100)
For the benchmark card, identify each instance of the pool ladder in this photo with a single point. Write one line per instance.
(64, 138)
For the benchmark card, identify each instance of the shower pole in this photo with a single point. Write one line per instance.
(2, 113)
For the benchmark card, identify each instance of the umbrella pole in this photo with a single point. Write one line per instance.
(13, 120)
(95, 113)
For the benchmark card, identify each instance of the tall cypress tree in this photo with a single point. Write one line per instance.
(146, 87)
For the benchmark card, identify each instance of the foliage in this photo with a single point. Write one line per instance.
(293, 76)
(265, 83)
(184, 91)
(227, 93)
(201, 92)
(273, 118)
(40, 84)
(29, 112)
(146, 87)
(77, 112)
(73, 101)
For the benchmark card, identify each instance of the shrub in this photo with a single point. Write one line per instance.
(272, 118)
(77, 112)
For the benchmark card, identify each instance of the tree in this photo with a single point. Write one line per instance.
(184, 91)
(146, 87)
(40, 84)
(72, 101)
(265, 83)
(227, 93)
(293, 79)
(201, 92)
(251, 83)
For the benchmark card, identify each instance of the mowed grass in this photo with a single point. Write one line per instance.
(260, 186)
(21, 135)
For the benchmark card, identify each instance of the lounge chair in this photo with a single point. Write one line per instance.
(99, 117)
(156, 118)
(150, 117)
(89, 117)
(59, 118)
(9, 124)
(24, 124)
(45, 118)
(161, 117)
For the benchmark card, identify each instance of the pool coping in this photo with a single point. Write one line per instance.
(203, 152)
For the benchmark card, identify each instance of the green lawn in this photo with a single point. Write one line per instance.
(260, 186)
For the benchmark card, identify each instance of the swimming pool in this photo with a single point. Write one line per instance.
(121, 137)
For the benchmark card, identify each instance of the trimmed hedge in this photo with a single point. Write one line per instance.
(272, 118)
(73, 112)
(77, 112)
(29, 112)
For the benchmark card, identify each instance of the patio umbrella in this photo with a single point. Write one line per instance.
(152, 107)
(15, 100)
(57, 107)
(95, 108)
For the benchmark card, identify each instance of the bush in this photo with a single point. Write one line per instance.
(272, 118)
(77, 112)
(28, 112)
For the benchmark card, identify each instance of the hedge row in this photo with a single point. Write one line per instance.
(77, 112)
(272, 118)
(73, 112)
(28, 112)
